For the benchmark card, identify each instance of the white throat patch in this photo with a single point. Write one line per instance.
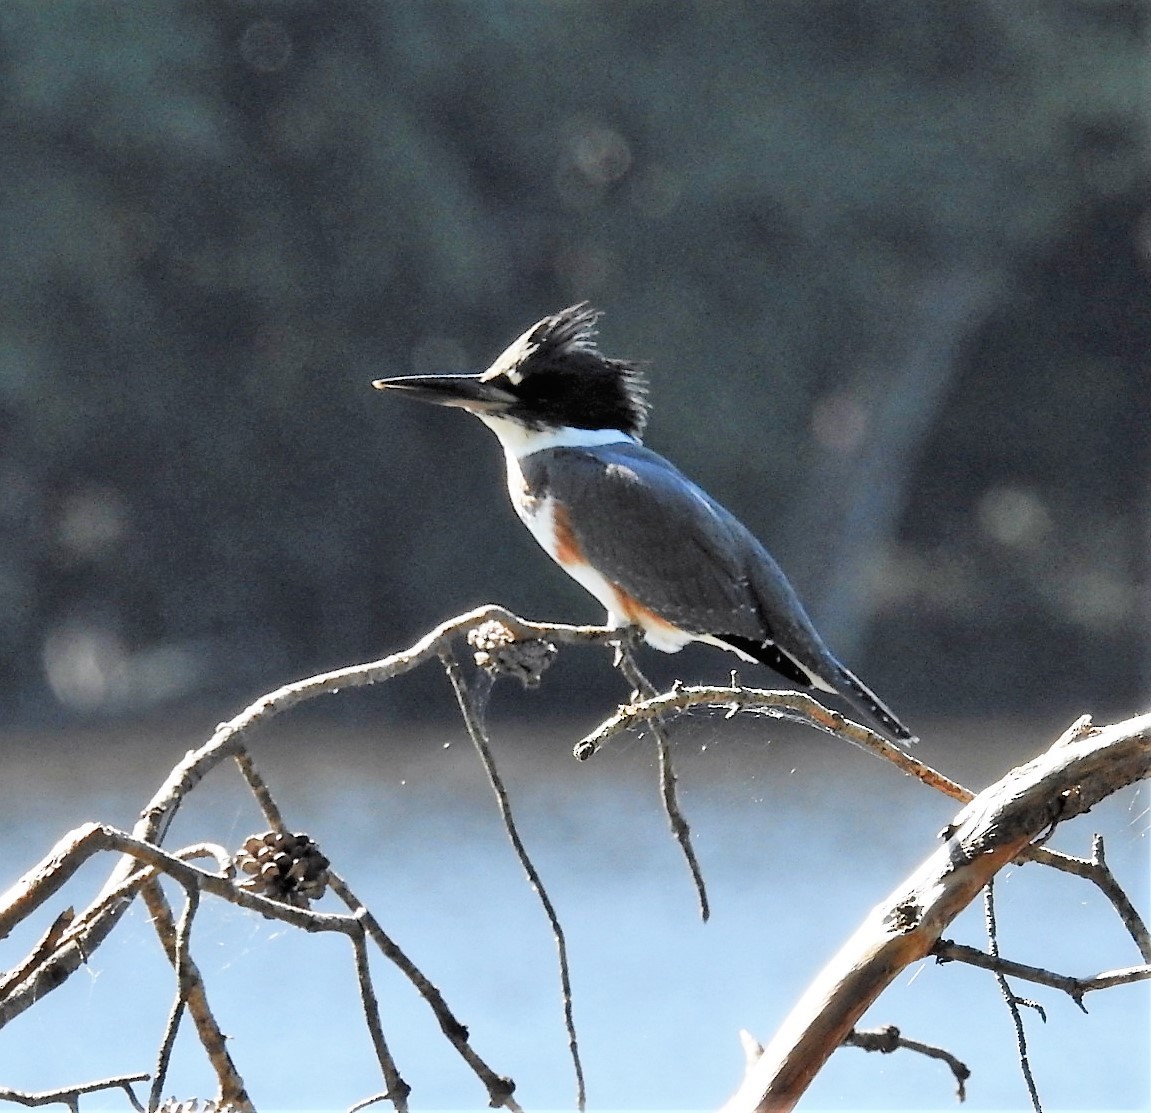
(519, 441)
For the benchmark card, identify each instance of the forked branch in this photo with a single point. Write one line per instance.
(70, 1095)
(797, 706)
(993, 830)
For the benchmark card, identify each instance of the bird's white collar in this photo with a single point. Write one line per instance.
(520, 441)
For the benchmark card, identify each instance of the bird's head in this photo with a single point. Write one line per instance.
(552, 377)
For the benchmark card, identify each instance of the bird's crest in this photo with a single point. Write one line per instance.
(558, 358)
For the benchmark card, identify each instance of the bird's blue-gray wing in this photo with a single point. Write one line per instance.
(655, 534)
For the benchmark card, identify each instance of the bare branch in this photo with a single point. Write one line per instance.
(398, 1090)
(226, 742)
(48, 943)
(1096, 870)
(94, 838)
(213, 850)
(176, 1013)
(499, 1088)
(45, 879)
(889, 1039)
(644, 689)
(81, 844)
(947, 950)
(780, 704)
(988, 833)
(478, 734)
(167, 1044)
(192, 990)
(70, 1095)
(1004, 823)
(1012, 1000)
(260, 791)
(363, 1103)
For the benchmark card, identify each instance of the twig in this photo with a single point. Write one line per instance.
(70, 1095)
(478, 734)
(398, 1090)
(34, 888)
(159, 814)
(1076, 988)
(213, 850)
(43, 880)
(176, 1013)
(191, 988)
(1009, 996)
(363, 1103)
(499, 1088)
(49, 941)
(642, 688)
(164, 1055)
(889, 1039)
(1096, 870)
(259, 788)
(780, 704)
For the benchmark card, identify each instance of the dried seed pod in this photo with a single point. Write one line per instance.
(284, 866)
(501, 653)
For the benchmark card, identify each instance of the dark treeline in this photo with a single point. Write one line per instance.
(889, 262)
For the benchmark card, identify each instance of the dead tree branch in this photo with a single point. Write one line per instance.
(991, 831)
(478, 735)
(1012, 999)
(946, 950)
(70, 1095)
(797, 706)
(398, 1090)
(642, 688)
(227, 742)
(191, 988)
(889, 1039)
(1096, 870)
(499, 1088)
(39, 884)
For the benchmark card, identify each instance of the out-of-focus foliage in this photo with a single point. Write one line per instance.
(889, 262)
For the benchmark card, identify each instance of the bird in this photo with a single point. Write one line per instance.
(654, 548)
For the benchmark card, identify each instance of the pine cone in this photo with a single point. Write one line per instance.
(283, 866)
(501, 653)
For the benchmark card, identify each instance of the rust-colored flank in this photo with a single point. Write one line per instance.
(569, 554)
(568, 549)
(639, 615)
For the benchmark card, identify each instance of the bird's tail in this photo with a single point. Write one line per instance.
(828, 676)
(855, 691)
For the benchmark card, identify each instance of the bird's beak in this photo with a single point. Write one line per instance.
(468, 392)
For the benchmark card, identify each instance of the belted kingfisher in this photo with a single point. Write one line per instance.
(651, 546)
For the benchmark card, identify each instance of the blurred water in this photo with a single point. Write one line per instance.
(798, 836)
